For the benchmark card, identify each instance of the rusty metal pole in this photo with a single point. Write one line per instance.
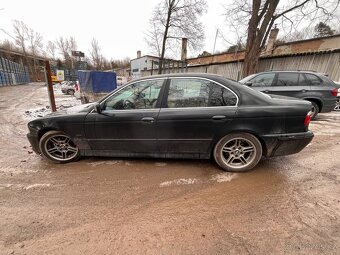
(50, 86)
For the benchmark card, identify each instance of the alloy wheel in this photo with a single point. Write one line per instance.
(337, 105)
(238, 152)
(61, 148)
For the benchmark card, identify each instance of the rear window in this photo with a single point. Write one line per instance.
(313, 80)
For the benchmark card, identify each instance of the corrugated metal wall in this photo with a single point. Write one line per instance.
(328, 63)
(12, 73)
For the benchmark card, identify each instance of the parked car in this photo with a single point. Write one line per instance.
(69, 88)
(177, 116)
(311, 86)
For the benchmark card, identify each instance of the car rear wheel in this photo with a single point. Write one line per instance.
(58, 147)
(238, 152)
(337, 105)
(315, 110)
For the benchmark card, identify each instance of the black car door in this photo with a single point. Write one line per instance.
(127, 123)
(193, 112)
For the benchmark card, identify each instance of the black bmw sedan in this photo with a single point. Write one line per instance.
(178, 116)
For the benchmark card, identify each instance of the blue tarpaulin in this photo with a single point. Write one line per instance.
(96, 81)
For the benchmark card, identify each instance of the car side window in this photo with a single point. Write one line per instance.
(313, 80)
(263, 80)
(302, 80)
(287, 79)
(198, 93)
(140, 95)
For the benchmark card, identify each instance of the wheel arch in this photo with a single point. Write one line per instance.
(44, 131)
(315, 100)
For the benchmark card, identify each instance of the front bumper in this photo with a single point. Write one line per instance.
(34, 142)
(286, 144)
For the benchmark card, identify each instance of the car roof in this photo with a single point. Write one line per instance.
(292, 71)
(200, 75)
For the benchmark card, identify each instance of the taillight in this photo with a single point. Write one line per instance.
(335, 92)
(307, 119)
(77, 86)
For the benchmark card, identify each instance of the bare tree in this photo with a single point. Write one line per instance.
(64, 49)
(258, 17)
(51, 49)
(21, 37)
(35, 47)
(173, 20)
(7, 45)
(72, 47)
(95, 55)
(120, 63)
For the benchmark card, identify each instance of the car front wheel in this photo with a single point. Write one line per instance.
(58, 147)
(238, 152)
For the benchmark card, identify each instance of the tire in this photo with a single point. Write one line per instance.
(70, 92)
(315, 110)
(337, 105)
(238, 152)
(57, 147)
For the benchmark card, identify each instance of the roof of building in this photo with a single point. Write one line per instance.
(150, 56)
(318, 45)
(18, 53)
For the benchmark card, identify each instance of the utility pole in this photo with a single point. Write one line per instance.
(49, 85)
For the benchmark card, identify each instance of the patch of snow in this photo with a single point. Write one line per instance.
(160, 164)
(98, 163)
(224, 177)
(179, 182)
(127, 163)
(37, 185)
(63, 102)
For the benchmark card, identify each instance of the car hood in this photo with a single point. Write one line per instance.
(84, 108)
(80, 108)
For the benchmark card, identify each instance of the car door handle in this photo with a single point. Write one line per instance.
(304, 90)
(219, 117)
(266, 91)
(148, 119)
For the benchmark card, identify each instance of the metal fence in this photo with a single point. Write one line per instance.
(12, 73)
(328, 63)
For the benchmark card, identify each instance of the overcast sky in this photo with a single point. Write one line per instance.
(119, 26)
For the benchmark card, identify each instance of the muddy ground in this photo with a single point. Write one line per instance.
(287, 205)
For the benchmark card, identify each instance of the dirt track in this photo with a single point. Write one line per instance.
(287, 205)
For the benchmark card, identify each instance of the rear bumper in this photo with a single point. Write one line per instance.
(286, 144)
(34, 142)
(328, 105)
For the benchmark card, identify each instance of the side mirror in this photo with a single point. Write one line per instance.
(248, 83)
(97, 108)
